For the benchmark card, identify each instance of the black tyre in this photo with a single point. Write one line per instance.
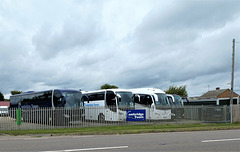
(101, 118)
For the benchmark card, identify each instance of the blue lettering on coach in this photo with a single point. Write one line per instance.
(91, 105)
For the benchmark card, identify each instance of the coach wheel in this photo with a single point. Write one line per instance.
(101, 118)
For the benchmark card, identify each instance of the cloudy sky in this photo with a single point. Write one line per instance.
(82, 44)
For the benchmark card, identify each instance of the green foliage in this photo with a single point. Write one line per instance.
(181, 90)
(108, 86)
(1, 97)
(15, 92)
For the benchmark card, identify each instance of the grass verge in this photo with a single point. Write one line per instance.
(132, 129)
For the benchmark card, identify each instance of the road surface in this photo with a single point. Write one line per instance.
(227, 140)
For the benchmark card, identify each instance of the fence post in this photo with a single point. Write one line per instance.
(225, 112)
(150, 108)
(176, 115)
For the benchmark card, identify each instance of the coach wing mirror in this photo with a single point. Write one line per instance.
(119, 97)
(85, 98)
(148, 99)
(60, 101)
(63, 100)
(136, 98)
(110, 95)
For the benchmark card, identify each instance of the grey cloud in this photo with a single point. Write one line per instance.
(174, 39)
(14, 63)
(49, 42)
(17, 80)
(189, 42)
(194, 15)
(185, 21)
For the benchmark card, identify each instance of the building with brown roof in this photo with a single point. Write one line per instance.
(216, 97)
(218, 93)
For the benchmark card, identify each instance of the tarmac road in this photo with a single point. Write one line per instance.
(221, 140)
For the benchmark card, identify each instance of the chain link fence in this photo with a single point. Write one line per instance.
(47, 118)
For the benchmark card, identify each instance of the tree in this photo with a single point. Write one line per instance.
(1, 97)
(181, 90)
(15, 92)
(108, 86)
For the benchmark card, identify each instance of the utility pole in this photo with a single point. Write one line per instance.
(232, 79)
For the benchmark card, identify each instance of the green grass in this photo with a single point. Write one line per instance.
(135, 129)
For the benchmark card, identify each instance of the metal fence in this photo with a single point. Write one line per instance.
(208, 114)
(46, 118)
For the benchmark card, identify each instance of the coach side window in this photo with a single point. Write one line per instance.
(47, 99)
(96, 96)
(110, 98)
(145, 100)
(111, 101)
(57, 99)
(100, 96)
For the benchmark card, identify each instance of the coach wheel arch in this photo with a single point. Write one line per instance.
(101, 117)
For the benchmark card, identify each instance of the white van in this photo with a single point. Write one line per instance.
(3, 110)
